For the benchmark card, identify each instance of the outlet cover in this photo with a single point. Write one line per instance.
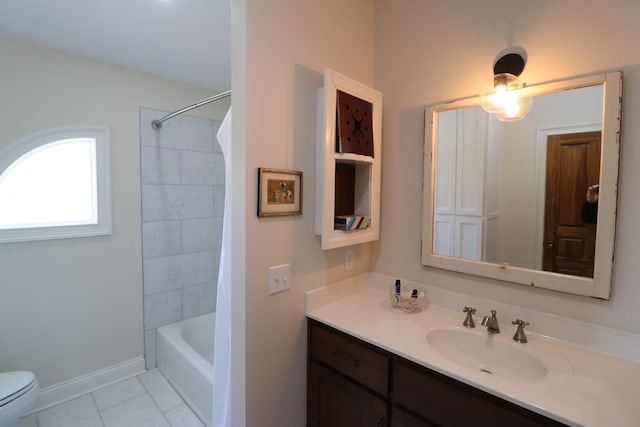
(279, 277)
(348, 259)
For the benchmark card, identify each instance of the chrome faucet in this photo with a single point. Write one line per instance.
(491, 323)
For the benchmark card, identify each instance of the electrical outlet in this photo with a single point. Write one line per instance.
(348, 260)
(279, 277)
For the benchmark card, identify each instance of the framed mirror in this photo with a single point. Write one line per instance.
(533, 201)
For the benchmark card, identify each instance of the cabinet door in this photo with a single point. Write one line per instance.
(445, 174)
(468, 237)
(444, 235)
(355, 360)
(470, 161)
(334, 401)
(402, 418)
(457, 235)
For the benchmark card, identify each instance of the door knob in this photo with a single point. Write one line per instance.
(549, 245)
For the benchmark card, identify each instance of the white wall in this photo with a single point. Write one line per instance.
(431, 51)
(73, 306)
(288, 45)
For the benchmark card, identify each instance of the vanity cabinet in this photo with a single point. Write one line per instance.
(352, 383)
(348, 381)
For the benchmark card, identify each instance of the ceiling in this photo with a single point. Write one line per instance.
(184, 40)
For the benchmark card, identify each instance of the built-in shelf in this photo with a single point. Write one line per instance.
(352, 158)
(366, 179)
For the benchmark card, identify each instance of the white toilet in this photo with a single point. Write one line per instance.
(18, 392)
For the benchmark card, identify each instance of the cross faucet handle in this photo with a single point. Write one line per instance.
(468, 322)
(520, 336)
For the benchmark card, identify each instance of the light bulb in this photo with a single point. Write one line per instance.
(516, 108)
(502, 95)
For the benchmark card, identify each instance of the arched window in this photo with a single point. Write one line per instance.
(56, 184)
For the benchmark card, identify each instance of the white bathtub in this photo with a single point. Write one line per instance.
(185, 358)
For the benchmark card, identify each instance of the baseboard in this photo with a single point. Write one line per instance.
(67, 390)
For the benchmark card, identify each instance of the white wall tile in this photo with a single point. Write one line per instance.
(198, 299)
(216, 263)
(137, 412)
(182, 206)
(219, 169)
(195, 133)
(216, 144)
(181, 132)
(160, 238)
(162, 309)
(201, 168)
(165, 202)
(218, 201)
(160, 390)
(201, 234)
(149, 136)
(150, 348)
(79, 412)
(159, 166)
(177, 271)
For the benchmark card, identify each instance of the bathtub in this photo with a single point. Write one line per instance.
(184, 352)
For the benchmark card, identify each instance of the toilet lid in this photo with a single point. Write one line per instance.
(14, 382)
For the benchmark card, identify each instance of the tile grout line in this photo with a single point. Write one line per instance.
(156, 403)
(119, 403)
(97, 410)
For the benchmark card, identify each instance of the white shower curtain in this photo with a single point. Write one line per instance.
(222, 348)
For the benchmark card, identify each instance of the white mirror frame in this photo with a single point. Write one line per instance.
(600, 285)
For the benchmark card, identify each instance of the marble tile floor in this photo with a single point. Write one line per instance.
(146, 400)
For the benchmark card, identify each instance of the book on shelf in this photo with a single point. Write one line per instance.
(351, 222)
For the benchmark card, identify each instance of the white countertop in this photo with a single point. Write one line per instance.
(583, 385)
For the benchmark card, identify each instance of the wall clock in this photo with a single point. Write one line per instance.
(354, 133)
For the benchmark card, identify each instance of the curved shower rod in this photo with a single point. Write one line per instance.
(157, 124)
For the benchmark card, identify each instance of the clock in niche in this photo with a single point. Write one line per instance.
(354, 133)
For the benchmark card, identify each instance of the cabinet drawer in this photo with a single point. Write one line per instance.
(447, 402)
(355, 359)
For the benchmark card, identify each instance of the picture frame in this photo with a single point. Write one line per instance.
(279, 192)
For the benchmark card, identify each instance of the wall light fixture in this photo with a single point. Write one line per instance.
(503, 95)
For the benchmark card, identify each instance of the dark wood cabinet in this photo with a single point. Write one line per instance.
(352, 383)
(348, 381)
(440, 400)
(338, 402)
(404, 418)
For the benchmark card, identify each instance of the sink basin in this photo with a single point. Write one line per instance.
(487, 353)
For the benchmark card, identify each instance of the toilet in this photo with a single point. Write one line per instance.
(18, 392)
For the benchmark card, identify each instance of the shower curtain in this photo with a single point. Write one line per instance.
(222, 348)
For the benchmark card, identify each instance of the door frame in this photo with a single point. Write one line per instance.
(541, 177)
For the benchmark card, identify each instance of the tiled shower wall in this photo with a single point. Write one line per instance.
(182, 208)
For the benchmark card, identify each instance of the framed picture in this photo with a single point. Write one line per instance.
(279, 192)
